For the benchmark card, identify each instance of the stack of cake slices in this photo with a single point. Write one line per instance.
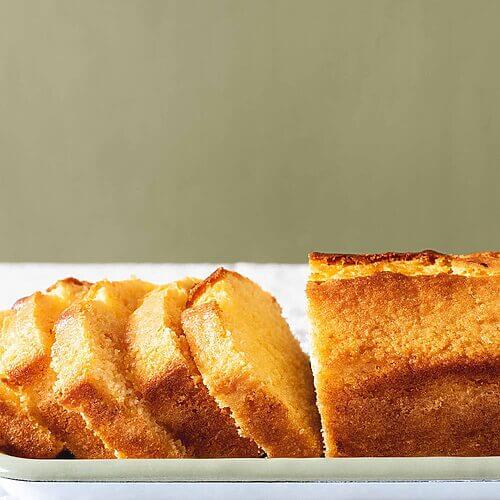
(127, 369)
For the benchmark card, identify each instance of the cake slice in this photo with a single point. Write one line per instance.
(25, 364)
(88, 358)
(166, 377)
(27, 340)
(406, 353)
(252, 364)
(21, 434)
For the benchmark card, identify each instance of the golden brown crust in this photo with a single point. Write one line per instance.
(259, 413)
(401, 361)
(428, 262)
(69, 281)
(198, 290)
(346, 259)
(428, 257)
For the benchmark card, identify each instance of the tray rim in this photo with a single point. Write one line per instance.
(253, 469)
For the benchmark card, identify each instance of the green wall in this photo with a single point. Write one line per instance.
(247, 130)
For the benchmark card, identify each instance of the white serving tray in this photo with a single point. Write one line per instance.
(241, 479)
(342, 478)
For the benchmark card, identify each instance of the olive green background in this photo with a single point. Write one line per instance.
(247, 130)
